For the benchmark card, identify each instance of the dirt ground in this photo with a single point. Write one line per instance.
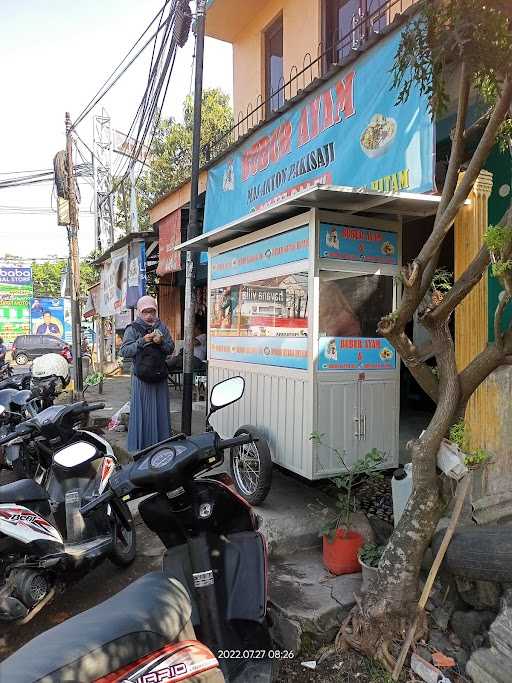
(346, 667)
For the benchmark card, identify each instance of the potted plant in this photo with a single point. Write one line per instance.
(460, 437)
(340, 543)
(369, 558)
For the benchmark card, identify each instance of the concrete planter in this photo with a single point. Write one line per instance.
(369, 575)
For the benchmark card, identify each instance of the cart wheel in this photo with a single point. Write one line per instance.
(251, 466)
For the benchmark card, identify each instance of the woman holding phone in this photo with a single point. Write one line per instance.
(148, 342)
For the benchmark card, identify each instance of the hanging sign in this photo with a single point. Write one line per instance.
(169, 235)
(136, 279)
(358, 244)
(350, 132)
(286, 247)
(355, 353)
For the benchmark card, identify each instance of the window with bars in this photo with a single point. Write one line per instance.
(347, 23)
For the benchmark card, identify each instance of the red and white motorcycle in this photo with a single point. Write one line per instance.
(44, 540)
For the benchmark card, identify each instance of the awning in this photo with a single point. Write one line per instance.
(352, 200)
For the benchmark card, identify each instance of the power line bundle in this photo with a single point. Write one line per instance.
(176, 28)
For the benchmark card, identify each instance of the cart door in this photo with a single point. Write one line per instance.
(379, 415)
(338, 419)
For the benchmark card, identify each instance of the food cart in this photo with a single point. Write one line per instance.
(303, 225)
(295, 296)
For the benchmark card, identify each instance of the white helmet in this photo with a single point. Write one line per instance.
(51, 365)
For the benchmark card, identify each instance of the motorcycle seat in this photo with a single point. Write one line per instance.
(22, 491)
(148, 614)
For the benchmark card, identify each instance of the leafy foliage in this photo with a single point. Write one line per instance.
(461, 437)
(367, 466)
(371, 553)
(498, 239)
(47, 277)
(171, 152)
(442, 280)
(479, 35)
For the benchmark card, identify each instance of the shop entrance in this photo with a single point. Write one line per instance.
(416, 408)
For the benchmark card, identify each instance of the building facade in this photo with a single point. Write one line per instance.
(295, 66)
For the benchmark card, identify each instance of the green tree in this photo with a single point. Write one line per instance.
(465, 47)
(171, 153)
(47, 277)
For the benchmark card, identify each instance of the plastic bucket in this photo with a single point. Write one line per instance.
(341, 556)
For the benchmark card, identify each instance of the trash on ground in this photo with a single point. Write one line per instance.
(309, 665)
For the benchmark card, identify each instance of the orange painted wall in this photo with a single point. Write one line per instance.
(301, 34)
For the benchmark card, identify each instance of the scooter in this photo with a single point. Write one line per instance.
(16, 406)
(212, 586)
(45, 543)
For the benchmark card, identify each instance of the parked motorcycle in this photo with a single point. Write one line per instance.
(44, 540)
(213, 583)
(21, 401)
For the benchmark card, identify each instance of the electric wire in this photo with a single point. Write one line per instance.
(106, 87)
(152, 101)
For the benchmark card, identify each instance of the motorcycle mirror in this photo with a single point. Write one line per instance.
(226, 392)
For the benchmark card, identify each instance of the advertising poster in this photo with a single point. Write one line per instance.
(286, 247)
(48, 316)
(136, 285)
(349, 243)
(355, 353)
(349, 132)
(262, 322)
(114, 275)
(15, 280)
(15, 293)
(14, 318)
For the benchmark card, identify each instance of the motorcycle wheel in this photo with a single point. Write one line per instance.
(122, 555)
(251, 466)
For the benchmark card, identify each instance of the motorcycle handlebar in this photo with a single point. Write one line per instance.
(222, 444)
(102, 499)
(21, 430)
(88, 408)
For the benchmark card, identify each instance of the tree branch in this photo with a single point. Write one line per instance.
(411, 357)
(466, 282)
(499, 336)
(478, 125)
(457, 148)
(444, 219)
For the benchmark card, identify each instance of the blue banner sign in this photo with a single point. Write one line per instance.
(348, 132)
(136, 278)
(291, 352)
(51, 316)
(286, 247)
(358, 244)
(11, 274)
(355, 353)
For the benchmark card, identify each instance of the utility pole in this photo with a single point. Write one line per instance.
(74, 262)
(193, 226)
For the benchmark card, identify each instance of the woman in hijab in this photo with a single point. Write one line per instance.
(150, 419)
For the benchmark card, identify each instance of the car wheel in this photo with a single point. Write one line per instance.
(21, 359)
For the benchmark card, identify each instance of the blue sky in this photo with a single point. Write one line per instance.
(54, 55)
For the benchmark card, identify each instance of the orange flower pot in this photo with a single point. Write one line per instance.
(340, 556)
